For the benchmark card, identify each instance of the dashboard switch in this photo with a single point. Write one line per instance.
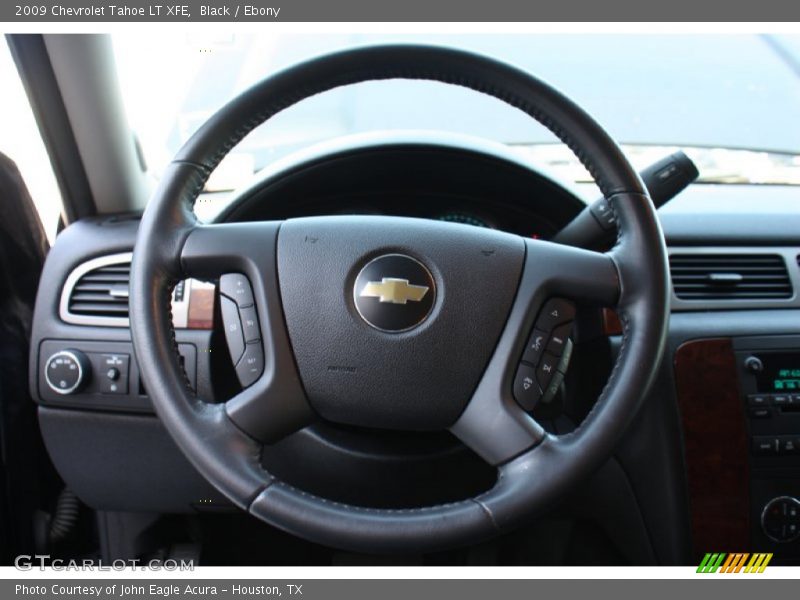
(66, 372)
(114, 368)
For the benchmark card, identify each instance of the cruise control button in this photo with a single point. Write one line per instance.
(601, 211)
(233, 328)
(555, 312)
(526, 389)
(236, 287)
(547, 368)
(535, 346)
(559, 339)
(250, 324)
(252, 364)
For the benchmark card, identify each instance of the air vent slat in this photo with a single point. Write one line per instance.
(105, 278)
(102, 292)
(730, 277)
(96, 287)
(94, 308)
(97, 297)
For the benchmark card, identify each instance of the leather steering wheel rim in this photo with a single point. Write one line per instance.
(223, 441)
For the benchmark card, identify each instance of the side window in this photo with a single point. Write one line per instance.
(21, 141)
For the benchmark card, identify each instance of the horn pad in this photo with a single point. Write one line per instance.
(393, 320)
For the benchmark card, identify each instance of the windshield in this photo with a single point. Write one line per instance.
(732, 101)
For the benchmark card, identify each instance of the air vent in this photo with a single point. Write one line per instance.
(96, 292)
(730, 277)
(102, 292)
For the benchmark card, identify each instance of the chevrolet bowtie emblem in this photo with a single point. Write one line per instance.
(393, 304)
(394, 290)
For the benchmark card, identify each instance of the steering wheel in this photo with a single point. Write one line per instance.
(394, 323)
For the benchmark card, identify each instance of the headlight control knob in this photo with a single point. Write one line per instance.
(67, 371)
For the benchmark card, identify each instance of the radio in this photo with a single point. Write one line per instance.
(770, 382)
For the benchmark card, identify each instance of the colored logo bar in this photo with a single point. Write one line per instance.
(736, 562)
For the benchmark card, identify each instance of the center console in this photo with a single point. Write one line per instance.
(739, 400)
(769, 381)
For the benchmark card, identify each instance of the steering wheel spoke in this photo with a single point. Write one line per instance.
(496, 423)
(272, 403)
(213, 250)
(270, 409)
(554, 270)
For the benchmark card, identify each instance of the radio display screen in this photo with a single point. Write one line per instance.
(781, 373)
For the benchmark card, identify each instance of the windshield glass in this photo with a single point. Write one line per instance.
(732, 101)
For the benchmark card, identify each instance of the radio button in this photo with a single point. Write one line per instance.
(759, 412)
(788, 445)
(765, 446)
(781, 399)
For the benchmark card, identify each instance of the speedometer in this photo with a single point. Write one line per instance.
(464, 218)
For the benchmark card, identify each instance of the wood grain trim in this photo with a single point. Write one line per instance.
(201, 308)
(611, 323)
(715, 446)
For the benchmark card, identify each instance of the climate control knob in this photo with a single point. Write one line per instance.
(67, 371)
(780, 519)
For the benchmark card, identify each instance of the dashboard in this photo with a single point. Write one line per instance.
(99, 426)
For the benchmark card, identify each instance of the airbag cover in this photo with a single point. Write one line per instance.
(416, 379)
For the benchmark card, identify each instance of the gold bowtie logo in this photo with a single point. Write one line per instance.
(394, 291)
